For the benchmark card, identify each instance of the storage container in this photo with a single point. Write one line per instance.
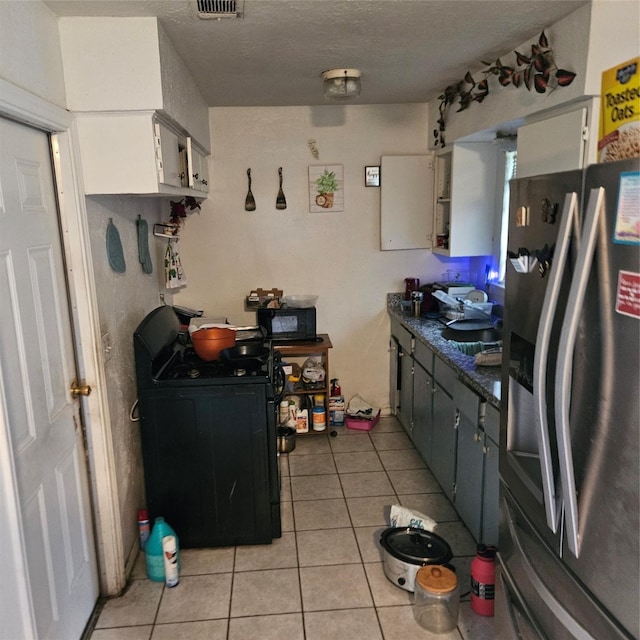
(437, 599)
(364, 424)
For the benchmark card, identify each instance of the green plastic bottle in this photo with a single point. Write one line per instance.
(153, 549)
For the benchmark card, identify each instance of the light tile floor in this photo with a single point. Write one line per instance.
(323, 580)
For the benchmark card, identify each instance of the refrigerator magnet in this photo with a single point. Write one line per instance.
(627, 227)
(628, 294)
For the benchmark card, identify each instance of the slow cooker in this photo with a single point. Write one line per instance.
(406, 549)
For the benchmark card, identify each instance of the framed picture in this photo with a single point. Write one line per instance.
(326, 188)
(372, 176)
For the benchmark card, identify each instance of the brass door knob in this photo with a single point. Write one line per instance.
(79, 389)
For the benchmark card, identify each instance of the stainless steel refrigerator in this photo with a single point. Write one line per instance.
(569, 561)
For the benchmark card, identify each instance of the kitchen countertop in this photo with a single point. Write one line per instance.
(483, 380)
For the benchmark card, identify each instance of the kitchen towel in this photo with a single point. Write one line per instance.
(114, 248)
(143, 245)
(173, 272)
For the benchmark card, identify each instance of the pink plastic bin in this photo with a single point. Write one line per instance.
(363, 424)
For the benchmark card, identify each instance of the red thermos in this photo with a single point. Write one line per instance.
(483, 580)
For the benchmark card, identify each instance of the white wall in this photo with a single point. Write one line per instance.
(227, 251)
(614, 38)
(30, 55)
(123, 301)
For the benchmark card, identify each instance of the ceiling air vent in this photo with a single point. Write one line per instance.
(216, 9)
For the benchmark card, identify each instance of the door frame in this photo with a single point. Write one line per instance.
(29, 109)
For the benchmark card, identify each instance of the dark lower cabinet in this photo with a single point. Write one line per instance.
(210, 463)
(452, 427)
(422, 407)
(443, 447)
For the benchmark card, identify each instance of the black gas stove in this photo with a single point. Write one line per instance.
(187, 365)
(208, 432)
(165, 357)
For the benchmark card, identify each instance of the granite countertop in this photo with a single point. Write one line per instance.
(483, 380)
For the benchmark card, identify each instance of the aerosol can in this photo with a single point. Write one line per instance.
(336, 404)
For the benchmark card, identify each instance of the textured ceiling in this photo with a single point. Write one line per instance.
(407, 50)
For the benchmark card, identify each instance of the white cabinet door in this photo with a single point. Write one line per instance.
(465, 204)
(552, 145)
(406, 202)
(198, 168)
(169, 170)
(201, 176)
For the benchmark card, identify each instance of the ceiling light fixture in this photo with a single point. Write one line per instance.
(341, 84)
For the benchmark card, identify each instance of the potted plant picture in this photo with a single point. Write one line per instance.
(325, 186)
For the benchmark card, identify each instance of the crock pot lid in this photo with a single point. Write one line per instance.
(416, 546)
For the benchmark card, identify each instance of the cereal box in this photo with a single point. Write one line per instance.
(619, 135)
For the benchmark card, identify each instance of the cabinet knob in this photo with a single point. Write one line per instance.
(204, 182)
(195, 176)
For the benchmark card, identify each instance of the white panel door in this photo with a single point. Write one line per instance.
(40, 422)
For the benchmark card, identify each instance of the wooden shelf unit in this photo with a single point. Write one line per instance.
(299, 349)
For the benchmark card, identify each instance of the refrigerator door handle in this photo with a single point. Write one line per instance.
(565, 361)
(568, 219)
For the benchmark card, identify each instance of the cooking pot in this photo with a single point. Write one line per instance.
(250, 356)
(286, 439)
(406, 549)
(208, 343)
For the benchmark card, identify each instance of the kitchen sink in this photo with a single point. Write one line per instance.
(472, 335)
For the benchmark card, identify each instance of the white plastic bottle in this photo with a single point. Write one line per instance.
(170, 556)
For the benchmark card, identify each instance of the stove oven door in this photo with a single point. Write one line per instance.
(210, 459)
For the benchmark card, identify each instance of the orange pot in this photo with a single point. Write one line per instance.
(208, 343)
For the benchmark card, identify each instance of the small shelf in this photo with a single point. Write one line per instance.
(304, 349)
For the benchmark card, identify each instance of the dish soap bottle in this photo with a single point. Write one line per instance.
(153, 550)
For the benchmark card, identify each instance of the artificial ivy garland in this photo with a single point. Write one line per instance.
(538, 70)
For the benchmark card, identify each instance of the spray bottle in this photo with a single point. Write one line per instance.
(336, 404)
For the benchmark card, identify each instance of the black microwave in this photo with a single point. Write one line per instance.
(287, 323)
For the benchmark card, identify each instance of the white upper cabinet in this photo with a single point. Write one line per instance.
(465, 199)
(406, 202)
(135, 102)
(552, 145)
